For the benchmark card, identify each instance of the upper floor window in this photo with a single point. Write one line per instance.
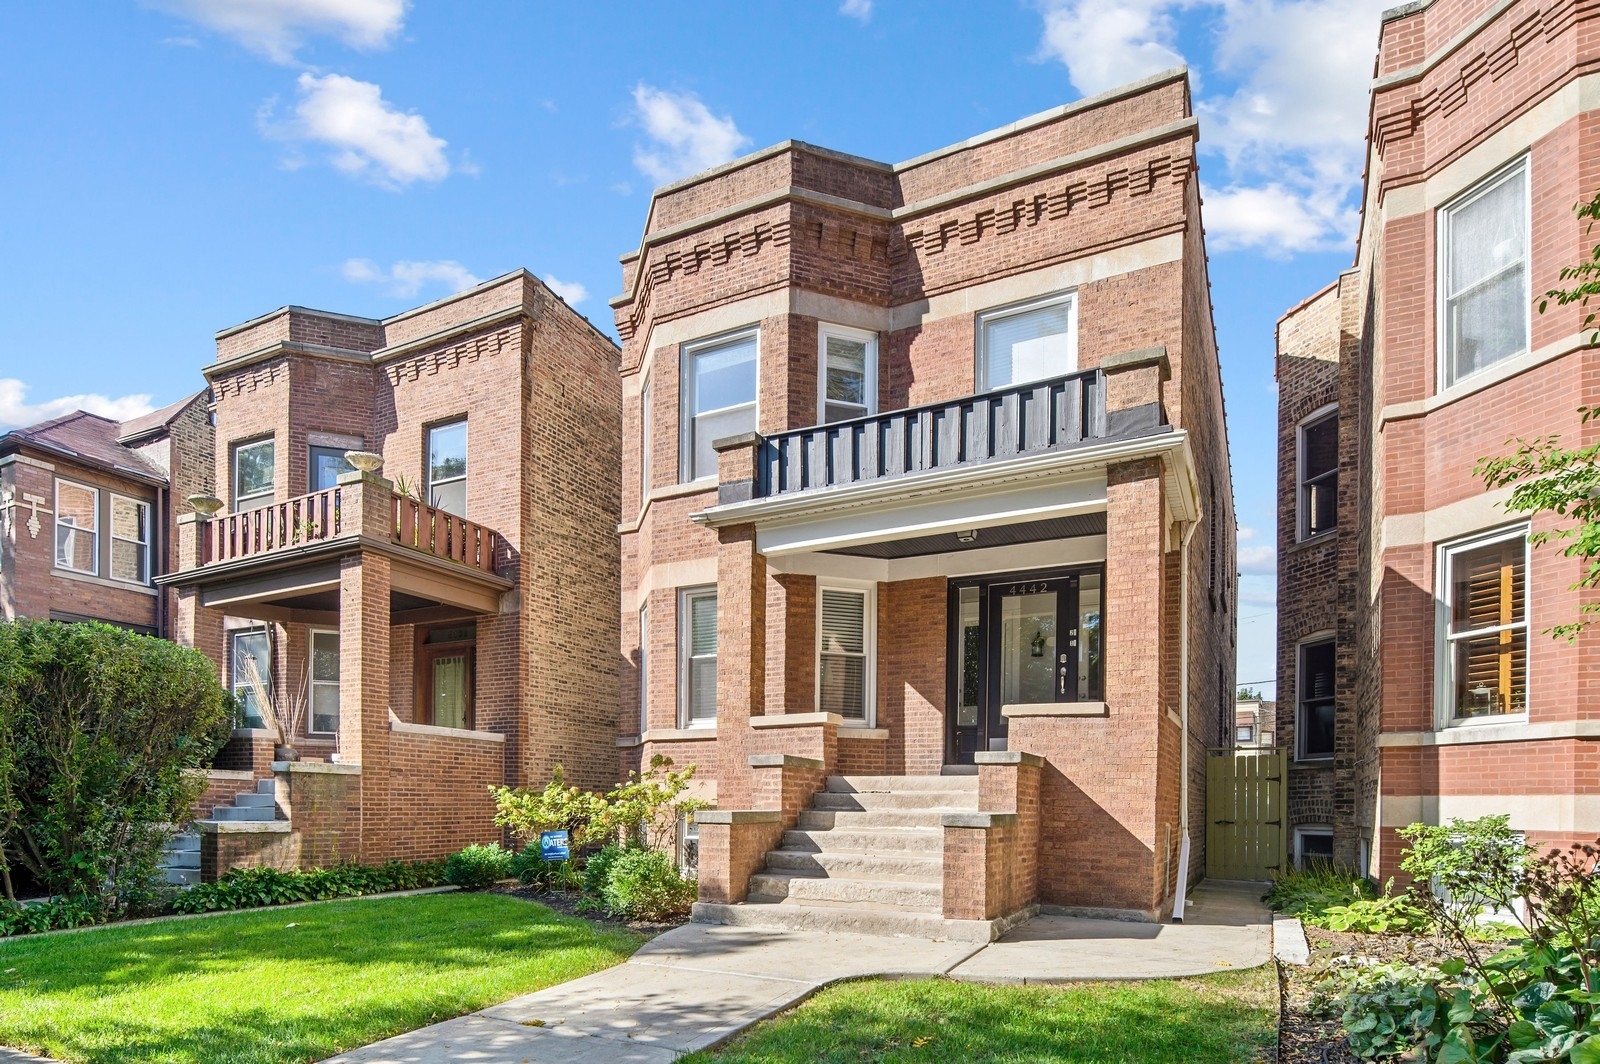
(1028, 342)
(719, 398)
(844, 653)
(1483, 255)
(1319, 474)
(1485, 596)
(77, 528)
(130, 540)
(1314, 716)
(849, 379)
(697, 657)
(327, 466)
(447, 467)
(253, 474)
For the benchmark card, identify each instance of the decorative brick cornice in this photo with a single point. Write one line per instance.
(431, 362)
(261, 375)
(713, 253)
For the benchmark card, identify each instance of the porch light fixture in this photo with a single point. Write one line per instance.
(364, 461)
(205, 505)
(967, 535)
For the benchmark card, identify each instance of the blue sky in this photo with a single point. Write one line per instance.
(173, 167)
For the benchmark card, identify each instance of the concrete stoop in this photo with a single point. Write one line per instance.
(867, 858)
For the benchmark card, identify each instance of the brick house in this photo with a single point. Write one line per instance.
(88, 512)
(1416, 682)
(922, 465)
(445, 617)
(1255, 725)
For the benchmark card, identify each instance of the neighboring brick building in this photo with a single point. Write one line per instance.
(448, 621)
(88, 511)
(1416, 680)
(896, 439)
(1255, 725)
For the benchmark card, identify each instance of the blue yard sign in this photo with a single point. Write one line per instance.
(553, 845)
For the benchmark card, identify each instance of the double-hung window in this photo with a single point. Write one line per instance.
(844, 653)
(328, 464)
(644, 668)
(644, 443)
(719, 398)
(130, 540)
(250, 673)
(1319, 474)
(697, 657)
(253, 474)
(447, 467)
(1315, 709)
(1028, 342)
(77, 528)
(1485, 652)
(849, 379)
(324, 683)
(1483, 267)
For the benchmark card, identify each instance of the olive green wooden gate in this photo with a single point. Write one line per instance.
(1245, 798)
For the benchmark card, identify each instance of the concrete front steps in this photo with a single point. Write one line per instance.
(182, 857)
(259, 804)
(866, 858)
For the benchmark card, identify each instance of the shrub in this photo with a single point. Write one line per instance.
(597, 870)
(248, 888)
(646, 807)
(557, 807)
(643, 810)
(478, 866)
(645, 885)
(533, 870)
(97, 726)
(1309, 892)
(1390, 913)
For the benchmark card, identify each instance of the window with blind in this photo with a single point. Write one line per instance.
(1319, 475)
(1483, 266)
(697, 657)
(719, 399)
(1314, 716)
(1027, 343)
(844, 642)
(849, 378)
(1486, 634)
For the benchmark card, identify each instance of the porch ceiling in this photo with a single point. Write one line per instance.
(1092, 524)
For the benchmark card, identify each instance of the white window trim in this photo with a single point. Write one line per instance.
(684, 659)
(427, 456)
(1300, 833)
(235, 681)
(1302, 522)
(980, 373)
(146, 543)
(266, 498)
(1444, 715)
(686, 415)
(645, 435)
(1441, 229)
(1299, 695)
(644, 667)
(312, 681)
(55, 547)
(869, 386)
(869, 641)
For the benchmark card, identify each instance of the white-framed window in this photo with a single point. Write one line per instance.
(77, 528)
(324, 694)
(1244, 734)
(719, 398)
(847, 385)
(1364, 856)
(845, 644)
(1317, 472)
(644, 668)
(1483, 653)
(644, 442)
(1028, 342)
(1314, 702)
(697, 657)
(1313, 843)
(253, 474)
(1484, 300)
(688, 845)
(130, 539)
(249, 659)
(447, 467)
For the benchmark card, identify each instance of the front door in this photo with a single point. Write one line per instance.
(1019, 640)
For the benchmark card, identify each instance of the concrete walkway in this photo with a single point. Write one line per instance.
(694, 987)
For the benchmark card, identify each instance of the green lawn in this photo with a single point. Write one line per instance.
(1209, 1020)
(295, 984)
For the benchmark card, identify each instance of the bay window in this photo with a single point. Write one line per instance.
(1484, 656)
(1483, 268)
(253, 472)
(719, 398)
(130, 540)
(77, 528)
(697, 657)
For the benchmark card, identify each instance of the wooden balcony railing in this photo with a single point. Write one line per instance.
(442, 534)
(1028, 419)
(276, 526)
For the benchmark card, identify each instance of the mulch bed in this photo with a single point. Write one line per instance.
(1308, 1037)
(567, 905)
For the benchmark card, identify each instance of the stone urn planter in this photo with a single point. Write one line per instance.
(285, 752)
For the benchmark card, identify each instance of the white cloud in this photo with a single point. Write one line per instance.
(16, 411)
(688, 137)
(1276, 220)
(857, 9)
(573, 292)
(1105, 45)
(370, 139)
(1258, 561)
(277, 28)
(406, 278)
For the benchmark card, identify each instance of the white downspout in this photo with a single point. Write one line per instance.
(1182, 896)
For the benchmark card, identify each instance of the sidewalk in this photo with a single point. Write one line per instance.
(696, 986)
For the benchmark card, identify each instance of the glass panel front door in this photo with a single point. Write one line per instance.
(1028, 647)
